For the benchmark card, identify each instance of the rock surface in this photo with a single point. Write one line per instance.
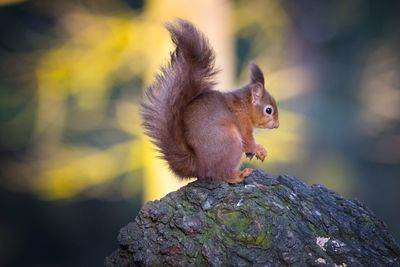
(262, 221)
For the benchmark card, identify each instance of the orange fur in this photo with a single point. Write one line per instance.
(201, 132)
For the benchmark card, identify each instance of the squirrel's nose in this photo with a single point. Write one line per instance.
(276, 124)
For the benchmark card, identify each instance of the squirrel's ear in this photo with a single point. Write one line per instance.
(256, 74)
(257, 92)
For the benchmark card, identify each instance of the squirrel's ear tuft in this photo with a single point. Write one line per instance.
(256, 74)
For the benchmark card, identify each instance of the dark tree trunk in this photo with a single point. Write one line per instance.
(263, 221)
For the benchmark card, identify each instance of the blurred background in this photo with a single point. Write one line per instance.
(75, 166)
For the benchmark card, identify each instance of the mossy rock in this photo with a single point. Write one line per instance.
(263, 221)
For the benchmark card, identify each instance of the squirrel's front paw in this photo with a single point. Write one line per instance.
(250, 155)
(260, 152)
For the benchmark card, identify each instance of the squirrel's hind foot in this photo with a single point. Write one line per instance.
(240, 175)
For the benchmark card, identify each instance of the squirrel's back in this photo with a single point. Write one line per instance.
(189, 74)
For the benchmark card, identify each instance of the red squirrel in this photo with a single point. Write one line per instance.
(199, 131)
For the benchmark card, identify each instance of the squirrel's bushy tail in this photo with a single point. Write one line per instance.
(189, 74)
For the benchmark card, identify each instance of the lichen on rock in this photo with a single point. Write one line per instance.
(261, 221)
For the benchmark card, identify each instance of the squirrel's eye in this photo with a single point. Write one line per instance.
(269, 110)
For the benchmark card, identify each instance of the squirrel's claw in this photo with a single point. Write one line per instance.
(261, 153)
(250, 155)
